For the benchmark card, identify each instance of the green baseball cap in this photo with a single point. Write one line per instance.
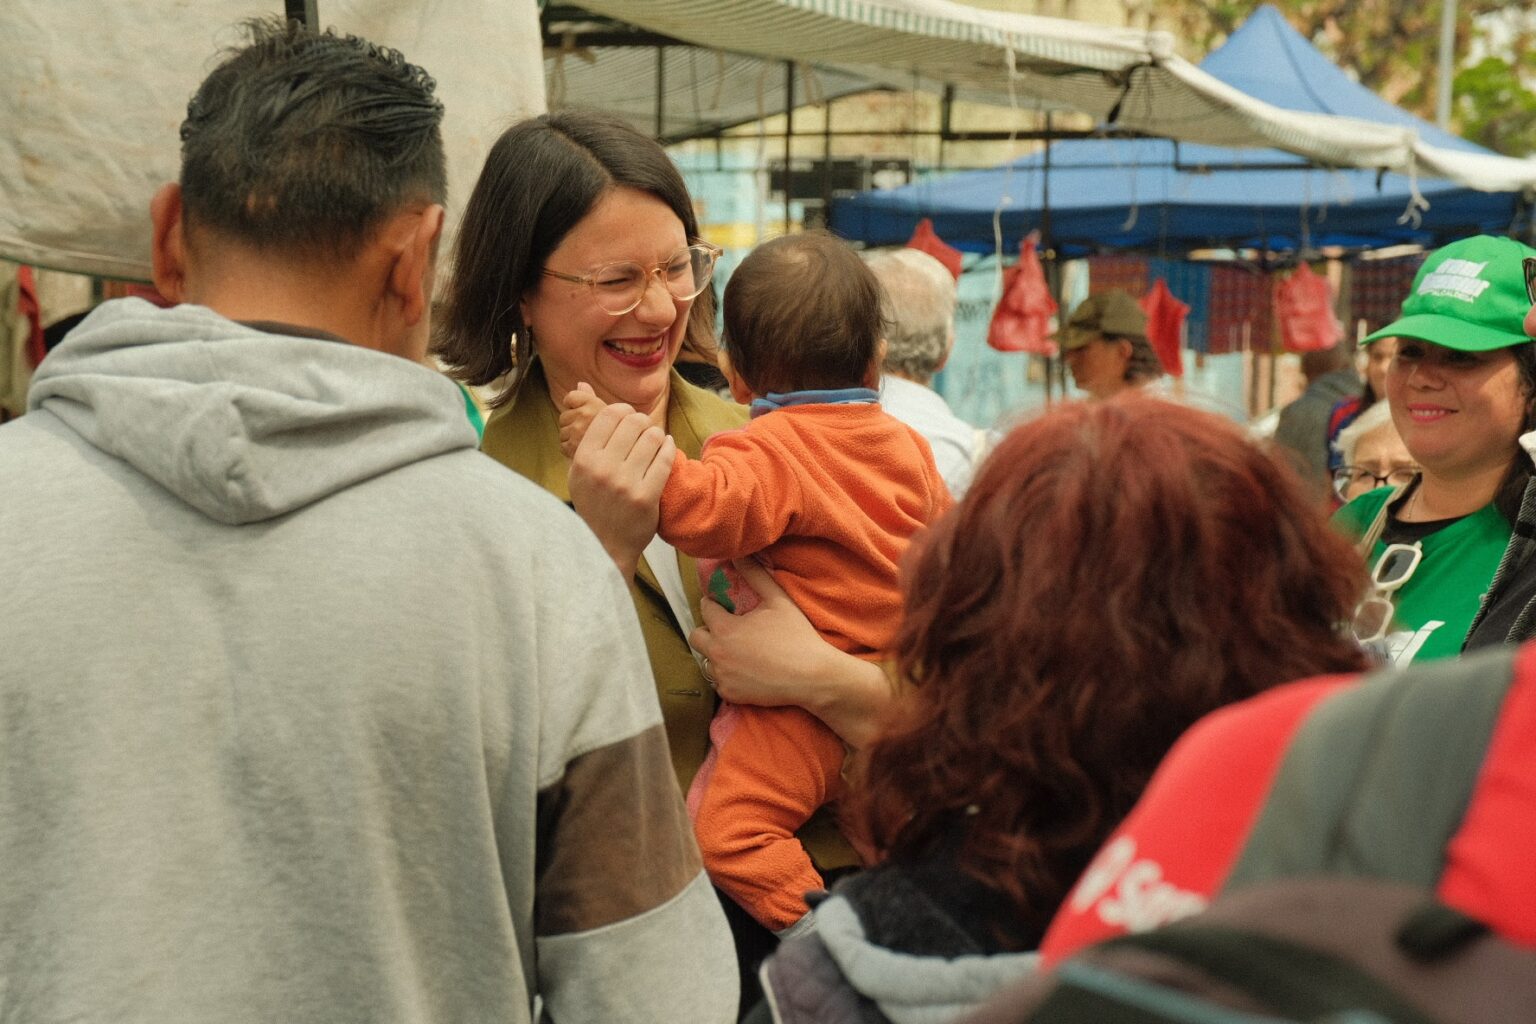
(1469, 295)
(1112, 312)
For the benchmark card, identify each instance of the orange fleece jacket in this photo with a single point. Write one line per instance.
(827, 497)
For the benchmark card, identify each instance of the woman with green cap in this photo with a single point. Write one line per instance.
(1462, 390)
(1508, 615)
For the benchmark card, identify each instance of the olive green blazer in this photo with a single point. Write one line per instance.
(524, 435)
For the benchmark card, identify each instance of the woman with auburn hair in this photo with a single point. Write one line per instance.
(1116, 570)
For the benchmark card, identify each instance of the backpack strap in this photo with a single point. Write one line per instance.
(1087, 993)
(1378, 525)
(1289, 979)
(1435, 931)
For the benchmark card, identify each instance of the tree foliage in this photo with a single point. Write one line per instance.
(1393, 47)
(1494, 106)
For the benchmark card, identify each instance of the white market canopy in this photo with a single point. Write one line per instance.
(92, 96)
(1131, 79)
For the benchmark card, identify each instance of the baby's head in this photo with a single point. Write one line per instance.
(802, 313)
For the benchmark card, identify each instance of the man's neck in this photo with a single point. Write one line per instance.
(322, 306)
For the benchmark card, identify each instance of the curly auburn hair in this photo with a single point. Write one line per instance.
(1116, 570)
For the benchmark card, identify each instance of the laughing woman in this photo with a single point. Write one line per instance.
(579, 261)
(1461, 390)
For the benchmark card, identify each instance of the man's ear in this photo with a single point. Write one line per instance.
(168, 253)
(410, 278)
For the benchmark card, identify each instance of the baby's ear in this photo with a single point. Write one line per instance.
(876, 367)
(739, 389)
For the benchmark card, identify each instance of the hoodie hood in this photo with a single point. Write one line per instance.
(909, 988)
(241, 424)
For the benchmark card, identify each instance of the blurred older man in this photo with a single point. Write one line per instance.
(919, 297)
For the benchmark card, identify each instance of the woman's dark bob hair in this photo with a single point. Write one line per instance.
(540, 179)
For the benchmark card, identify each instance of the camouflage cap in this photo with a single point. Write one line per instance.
(1113, 312)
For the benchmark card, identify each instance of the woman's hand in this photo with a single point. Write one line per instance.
(773, 656)
(617, 476)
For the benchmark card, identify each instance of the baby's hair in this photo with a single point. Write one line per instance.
(802, 312)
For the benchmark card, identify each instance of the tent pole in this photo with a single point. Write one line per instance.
(661, 91)
(1447, 69)
(946, 120)
(789, 136)
(1053, 367)
(304, 11)
(826, 165)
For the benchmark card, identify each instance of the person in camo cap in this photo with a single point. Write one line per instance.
(1105, 345)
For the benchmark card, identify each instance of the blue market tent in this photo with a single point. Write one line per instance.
(1155, 194)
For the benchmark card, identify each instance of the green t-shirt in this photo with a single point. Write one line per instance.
(472, 410)
(1435, 608)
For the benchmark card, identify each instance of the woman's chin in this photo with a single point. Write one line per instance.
(643, 389)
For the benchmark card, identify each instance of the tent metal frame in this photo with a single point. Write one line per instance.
(305, 11)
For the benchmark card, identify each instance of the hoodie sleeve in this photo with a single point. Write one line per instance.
(626, 925)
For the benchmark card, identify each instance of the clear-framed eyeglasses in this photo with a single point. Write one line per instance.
(1350, 482)
(1395, 567)
(619, 287)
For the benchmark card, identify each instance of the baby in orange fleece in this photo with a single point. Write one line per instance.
(826, 490)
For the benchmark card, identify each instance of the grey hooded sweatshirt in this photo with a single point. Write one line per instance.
(309, 711)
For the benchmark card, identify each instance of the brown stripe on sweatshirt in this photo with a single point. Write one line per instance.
(615, 840)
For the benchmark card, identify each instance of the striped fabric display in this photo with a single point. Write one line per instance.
(1240, 296)
(1378, 287)
(1191, 284)
(1129, 274)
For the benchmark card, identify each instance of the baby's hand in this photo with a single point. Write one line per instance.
(581, 406)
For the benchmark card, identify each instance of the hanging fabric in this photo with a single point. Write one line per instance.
(1123, 273)
(1191, 283)
(1378, 287)
(925, 239)
(1165, 326)
(1239, 298)
(1022, 320)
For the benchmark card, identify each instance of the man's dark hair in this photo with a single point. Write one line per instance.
(1320, 362)
(540, 179)
(802, 312)
(305, 142)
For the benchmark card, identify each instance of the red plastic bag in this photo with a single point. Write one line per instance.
(1165, 326)
(924, 239)
(1304, 307)
(1022, 320)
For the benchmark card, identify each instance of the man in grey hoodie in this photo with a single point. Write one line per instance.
(308, 710)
